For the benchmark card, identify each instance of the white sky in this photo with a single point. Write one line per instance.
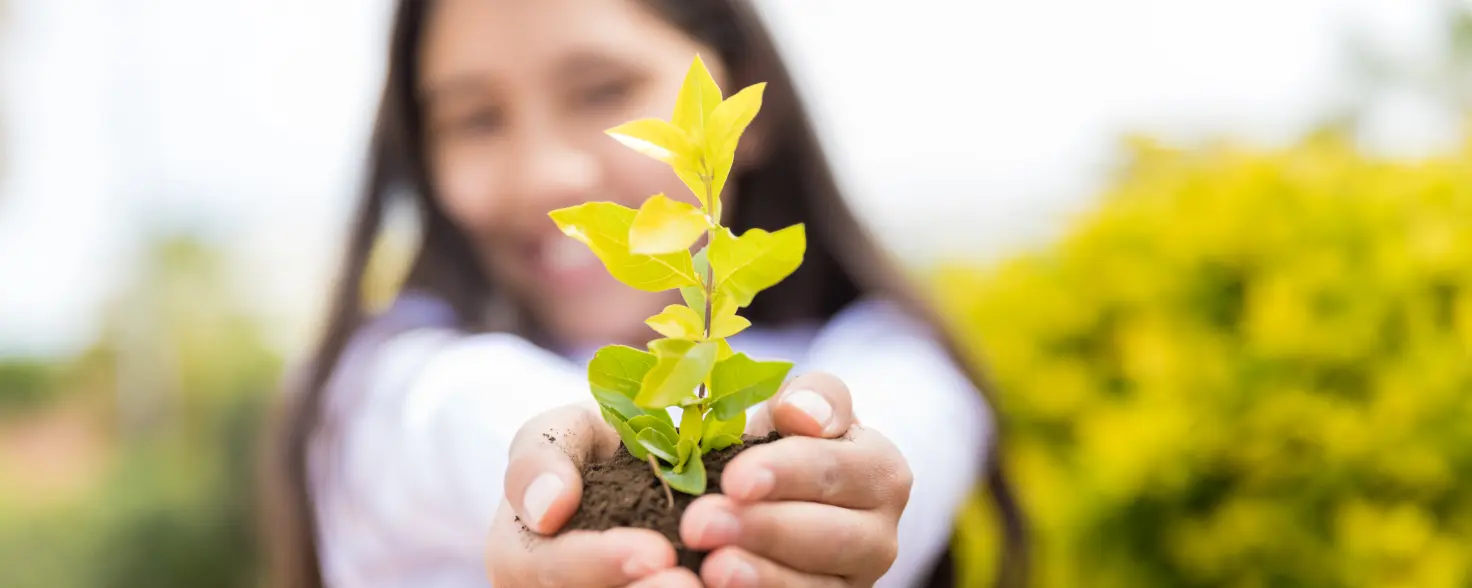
(246, 118)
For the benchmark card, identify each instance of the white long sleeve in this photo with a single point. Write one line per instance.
(408, 475)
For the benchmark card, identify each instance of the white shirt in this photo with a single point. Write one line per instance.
(408, 466)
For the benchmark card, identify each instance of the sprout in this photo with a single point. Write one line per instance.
(691, 366)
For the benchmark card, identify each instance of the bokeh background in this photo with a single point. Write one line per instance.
(1217, 256)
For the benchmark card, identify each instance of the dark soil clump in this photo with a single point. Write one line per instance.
(623, 492)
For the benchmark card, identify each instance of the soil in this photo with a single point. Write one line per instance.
(623, 492)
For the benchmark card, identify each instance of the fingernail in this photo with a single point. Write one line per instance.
(754, 486)
(814, 405)
(539, 497)
(638, 567)
(739, 574)
(720, 528)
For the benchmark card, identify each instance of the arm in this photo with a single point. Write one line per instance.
(410, 469)
(905, 386)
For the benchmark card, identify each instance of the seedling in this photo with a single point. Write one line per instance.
(691, 366)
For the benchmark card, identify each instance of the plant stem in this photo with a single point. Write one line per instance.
(710, 272)
(668, 496)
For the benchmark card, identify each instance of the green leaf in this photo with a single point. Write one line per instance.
(690, 481)
(678, 322)
(658, 444)
(614, 375)
(617, 403)
(715, 427)
(620, 368)
(755, 261)
(680, 367)
(691, 426)
(626, 434)
(720, 442)
(739, 382)
(666, 226)
(683, 451)
(604, 228)
(723, 350)
(639, 423)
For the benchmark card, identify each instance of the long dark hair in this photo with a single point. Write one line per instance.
(791, 183)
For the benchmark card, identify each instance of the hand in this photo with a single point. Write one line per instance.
(543, 489)
(820, 507)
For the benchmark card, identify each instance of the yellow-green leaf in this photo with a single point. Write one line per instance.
(683, 451)
(755, 261)
(731, 118)
(695, 295)
(691, 426)
(658, 444)
(639, 423)
(699, 97)
(723, 133)
(726, 326)
(690, 173)
(655, 138)
(725, 322)
(604, 228)
(690, 481)
(678, 322)
(626, 434)
(739, 382)
(723, 350)
(715, 428)
(680, 367)
(614, 375)
(666, 226)
(720, 442)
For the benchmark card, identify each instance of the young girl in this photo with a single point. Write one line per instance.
(413, 453)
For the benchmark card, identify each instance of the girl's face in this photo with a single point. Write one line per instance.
(516, 96)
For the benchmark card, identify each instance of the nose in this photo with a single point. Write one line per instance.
(553, 171)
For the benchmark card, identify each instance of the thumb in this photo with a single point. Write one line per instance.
(812, 405)
(544, 482)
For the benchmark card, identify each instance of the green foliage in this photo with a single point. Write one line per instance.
(692, 366)
(1246, 369)
(25, 384)
(168, 500)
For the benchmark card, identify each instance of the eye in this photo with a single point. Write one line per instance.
(477, 122)
(608, 93)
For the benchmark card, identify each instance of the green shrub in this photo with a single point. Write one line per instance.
(1246, 368)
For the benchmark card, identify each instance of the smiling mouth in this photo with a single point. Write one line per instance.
(565, 263)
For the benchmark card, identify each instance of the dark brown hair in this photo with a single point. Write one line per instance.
(791, 183)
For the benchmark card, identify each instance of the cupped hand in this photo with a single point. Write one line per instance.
(819, 507)
(543, 489)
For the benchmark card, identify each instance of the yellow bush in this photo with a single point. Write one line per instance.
(1246, 368)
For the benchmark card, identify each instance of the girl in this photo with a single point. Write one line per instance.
(412, 453)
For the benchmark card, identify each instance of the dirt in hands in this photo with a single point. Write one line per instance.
(623, 492)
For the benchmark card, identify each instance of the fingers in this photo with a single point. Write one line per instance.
(812, 405)
(577, 558)
(671, 578)
(865, 471)
(812, 537)
(543, 482)
(734, 567)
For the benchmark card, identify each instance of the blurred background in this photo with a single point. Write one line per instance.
(1217, 256)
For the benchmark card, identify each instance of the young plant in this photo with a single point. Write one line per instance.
(691, 366)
